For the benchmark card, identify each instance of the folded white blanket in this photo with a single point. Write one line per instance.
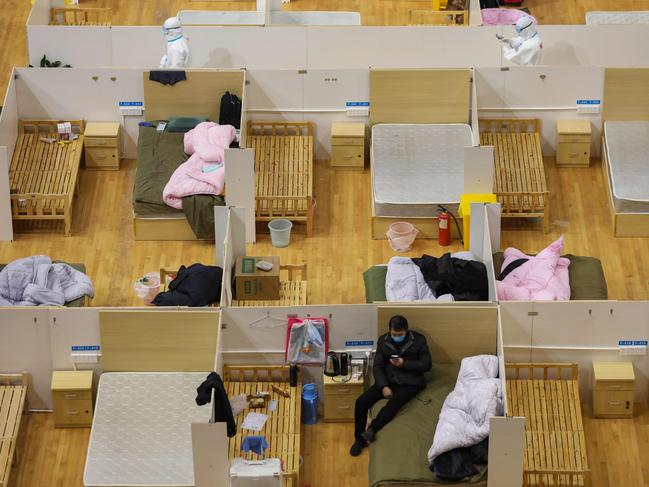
(464, 420)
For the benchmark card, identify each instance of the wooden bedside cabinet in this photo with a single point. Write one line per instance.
(348, 145)
(72, 395)
(102, 145)
(573, 143)
(613, 389)
(340, 397)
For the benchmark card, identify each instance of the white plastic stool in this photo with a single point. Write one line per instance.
(256, 473)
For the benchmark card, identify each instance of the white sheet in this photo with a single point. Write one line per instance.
(627, 153)
(415, 167)
(617, 17)
(141, 431)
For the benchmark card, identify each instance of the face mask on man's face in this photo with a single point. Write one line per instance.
(398, 339)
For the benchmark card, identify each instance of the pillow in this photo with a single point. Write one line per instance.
(183, 124)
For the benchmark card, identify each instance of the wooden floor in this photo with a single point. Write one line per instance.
(56, 457)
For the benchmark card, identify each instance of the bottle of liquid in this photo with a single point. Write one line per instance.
(293, 375)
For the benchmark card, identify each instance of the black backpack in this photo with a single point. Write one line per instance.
(230, 113)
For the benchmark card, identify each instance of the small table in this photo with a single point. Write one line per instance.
(340, 397)
(613, 389)
(102, 145)
(72, 395)
(573, 143)
(348, 145)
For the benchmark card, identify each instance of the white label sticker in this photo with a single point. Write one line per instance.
(443, 224)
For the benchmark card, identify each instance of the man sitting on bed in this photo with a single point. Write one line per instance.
(402, 357)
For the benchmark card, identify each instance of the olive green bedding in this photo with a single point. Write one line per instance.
(399, 454)
(77, 303)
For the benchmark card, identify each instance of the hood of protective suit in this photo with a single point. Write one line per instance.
(172, 29)
(525, 27)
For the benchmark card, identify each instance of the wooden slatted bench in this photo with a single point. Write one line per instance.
(43, 176)
(438, 17)
(80, 16)
(519, 173)
(292, 288)
(555, 451)
(13, 403)
(283, 170)
(282, 428)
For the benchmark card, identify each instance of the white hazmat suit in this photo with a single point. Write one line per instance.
(178, 50)
(525, 48)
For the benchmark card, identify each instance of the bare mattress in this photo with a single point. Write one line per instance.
(627, 154)
(415, 167)
(141, 430)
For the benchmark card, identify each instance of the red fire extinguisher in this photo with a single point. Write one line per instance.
(444, 228)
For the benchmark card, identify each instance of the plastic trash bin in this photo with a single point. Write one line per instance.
(147, 287)
(309, 404)
(401, 235)
(280, 232)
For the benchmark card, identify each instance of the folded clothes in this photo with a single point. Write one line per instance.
(256, 444)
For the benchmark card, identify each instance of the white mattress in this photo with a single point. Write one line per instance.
(621, 17)
(216, 17)
(314, 18)
(417, 167)
(141, 431)
(627, 153)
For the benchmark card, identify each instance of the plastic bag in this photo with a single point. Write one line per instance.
(307, 341)
(147, 287)
(238, 404)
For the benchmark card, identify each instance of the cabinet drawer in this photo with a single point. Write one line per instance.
(573, 139)
(347, 141)
(343, 390)
(100, 142)
(609, 403)
(72, 412)
(102, 158)
(614, 385)
(348, 156)
(72, 395)
(339, 408)
(573, 154)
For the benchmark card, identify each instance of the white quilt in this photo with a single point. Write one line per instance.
(464, 420)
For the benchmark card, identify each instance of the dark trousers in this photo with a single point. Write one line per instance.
(400, 396)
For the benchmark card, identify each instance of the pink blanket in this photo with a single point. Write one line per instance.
(542, 278)
(201, 173)
(502, 16)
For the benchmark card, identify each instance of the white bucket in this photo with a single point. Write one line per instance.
(401, 235)
(280, 232)
(148, 287)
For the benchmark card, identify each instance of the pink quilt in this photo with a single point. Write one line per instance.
(502, 16)
(201, 173)
(542, 278)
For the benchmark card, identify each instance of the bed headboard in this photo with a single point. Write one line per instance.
(158, 341)
(420, 96)
(199, 96)
(626, 94)
(452, 332)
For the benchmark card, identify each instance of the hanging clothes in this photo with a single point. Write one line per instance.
(466, 280)
(168, 77)
(222, 408)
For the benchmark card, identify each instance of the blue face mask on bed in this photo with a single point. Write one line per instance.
(398, 339)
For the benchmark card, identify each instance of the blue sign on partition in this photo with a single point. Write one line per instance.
(131, 103)
(358, 103)
(85, 348)
(589, 102)
(625, 343)
(640, 343)
(359, 343)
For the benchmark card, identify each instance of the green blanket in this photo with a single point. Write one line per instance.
(587, 281)
(374, 278)
(159, 154)
(77, 303)
(399, 453)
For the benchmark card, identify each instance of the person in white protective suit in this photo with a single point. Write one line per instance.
(178, 50)
(526, 47)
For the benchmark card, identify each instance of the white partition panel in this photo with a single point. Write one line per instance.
(402, 47)
(210, 454)
(9, 117)
(6, 226)
(78, 46)
(139, 46)
(506, 447)
(40, 13)
(240, 184)
(25, 347)
(73, 327)
(275, 90)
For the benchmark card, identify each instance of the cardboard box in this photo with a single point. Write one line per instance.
(253, 284)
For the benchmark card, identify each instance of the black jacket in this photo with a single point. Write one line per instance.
(466, 280)
(222, 409)
(196, 285)
(416, 361)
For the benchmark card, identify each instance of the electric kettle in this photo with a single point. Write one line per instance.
(332, 365)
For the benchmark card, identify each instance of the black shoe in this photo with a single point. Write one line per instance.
(369, 435)
(356, 448)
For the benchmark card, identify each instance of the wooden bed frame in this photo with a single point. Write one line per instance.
(519, 177)
(43, 176)
(292, 290)
(555, 452)
(282, 429)
(283, 170)
(438, 17)
(81, 16)
(13, 403)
